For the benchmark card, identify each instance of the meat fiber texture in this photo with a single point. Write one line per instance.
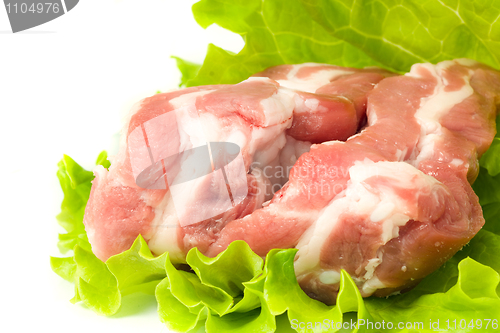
(359, 169)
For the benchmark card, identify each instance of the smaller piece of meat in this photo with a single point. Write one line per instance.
(330, 101)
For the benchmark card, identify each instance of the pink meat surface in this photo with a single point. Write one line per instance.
(401, 219)
(330, 103)
(389, 205)
(393, 202)
(253, 115)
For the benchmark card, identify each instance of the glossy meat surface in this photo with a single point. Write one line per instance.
(359, 170)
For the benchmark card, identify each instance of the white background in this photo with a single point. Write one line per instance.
(63, 88)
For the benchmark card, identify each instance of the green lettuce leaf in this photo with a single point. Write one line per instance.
(100, 286)
(450, 293)
(467, 301)
(94, 283)
(487, 184)
(273, 33)
(64, 267)
(283, 293)
(391, 34)
(75, 183)
(188, 69)
(399, 33)
(238, 291)
(136, 269)
(486, 187)
(216, 293)
(491, 213)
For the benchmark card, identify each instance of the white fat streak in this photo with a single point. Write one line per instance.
(264, 188)
(278, 170)
(313, 105)
(385, 207)
(457, 162)
(372, 264)
(329, 276)
(467, 62)
(198, 130)
(216, 131)
(291, 153)
(187, 99)
(328, 143)
(163, 235)
(313, 81)
(370, 286)
(434, 107)
(383, 210)
(266, 144)
(192, 208)
(278, 108)
(371, 116)
(119, 158)
(191, 129)
(305, 104)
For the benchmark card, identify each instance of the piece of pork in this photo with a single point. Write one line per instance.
(389, 205)
(164, 160)
(394, 202)
(330, 101)
(169, 133)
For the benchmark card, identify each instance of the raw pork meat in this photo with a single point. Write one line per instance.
(389, 205)
(321, 89)
(138, 195)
